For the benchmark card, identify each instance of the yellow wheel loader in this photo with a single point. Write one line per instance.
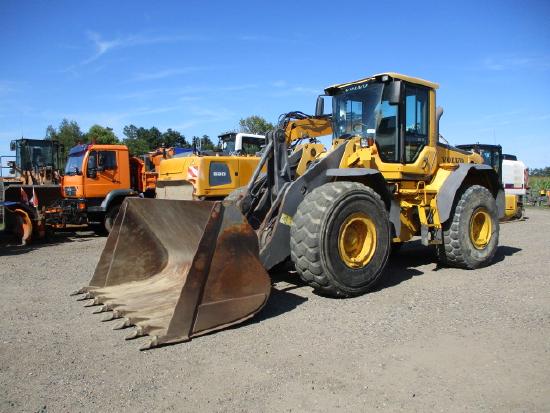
(209, 175)
(179, 269)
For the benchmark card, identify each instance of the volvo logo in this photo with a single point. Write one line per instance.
(448, 159)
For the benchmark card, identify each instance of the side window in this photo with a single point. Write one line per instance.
(107, 159)
(386, 132)
(92, 160)
(416, 122)
(251, 146)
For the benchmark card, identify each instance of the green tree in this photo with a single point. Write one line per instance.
(172, 138)
(540, 171)
(135, 140)
(152, 136)
(101, 135)
(68, 134)
(204, 143)
(255, 125)
(51, 133)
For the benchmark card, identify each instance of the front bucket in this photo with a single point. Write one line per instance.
(178, 269)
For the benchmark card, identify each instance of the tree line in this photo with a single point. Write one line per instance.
(540, 171)
(140, 140)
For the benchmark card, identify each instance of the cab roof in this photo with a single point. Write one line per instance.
(393, 75)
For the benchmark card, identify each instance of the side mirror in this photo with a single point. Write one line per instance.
(91, 173)
(320, 106)
(393, 92)
(12, 146)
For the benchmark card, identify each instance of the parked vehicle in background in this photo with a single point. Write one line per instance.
(29, 180)
(209, 174)
(512, 173)
(97, 179)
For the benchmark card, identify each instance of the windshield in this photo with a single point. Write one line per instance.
(228, 144)
(74, 163)
(356, 110)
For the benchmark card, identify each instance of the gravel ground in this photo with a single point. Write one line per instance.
(428, 339)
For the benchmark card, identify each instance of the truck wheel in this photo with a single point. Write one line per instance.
(99, 229)
(110, 217)
(340, 238)
(470, 238)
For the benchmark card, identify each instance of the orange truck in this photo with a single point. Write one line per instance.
(97, 179)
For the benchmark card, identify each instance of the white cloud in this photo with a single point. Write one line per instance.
(103, 45)
(183, 93)
(296, 90)
(161, 74)
(513, 62)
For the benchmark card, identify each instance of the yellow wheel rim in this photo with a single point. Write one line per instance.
(481, 228)
(357, 240)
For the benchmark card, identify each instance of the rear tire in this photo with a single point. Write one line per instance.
(470, 238)
(340, 239)
(110, 217)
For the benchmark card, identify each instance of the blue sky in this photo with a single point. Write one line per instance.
(198, 67)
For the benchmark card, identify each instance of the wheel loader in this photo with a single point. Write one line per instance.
(180, 269)
(209, 175)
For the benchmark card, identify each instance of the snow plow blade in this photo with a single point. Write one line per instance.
(178, 269)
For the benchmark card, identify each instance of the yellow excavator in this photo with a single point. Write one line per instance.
(179, 269)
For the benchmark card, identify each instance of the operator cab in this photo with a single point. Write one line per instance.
(391, 111)
(233, 143)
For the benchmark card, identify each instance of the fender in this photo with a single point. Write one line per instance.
(275, 247)
(379, 184)
(447, 193)
(112, 197)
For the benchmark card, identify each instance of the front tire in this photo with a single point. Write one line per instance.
(470, 238)
(340, 239)
(110, 217)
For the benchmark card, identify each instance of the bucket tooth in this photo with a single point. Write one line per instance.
(79, 291)
(179, 269)
(102, 309)
(138, 332)
(126, 323)
(150, 344)
(93, 303)
(85, 297)
(113, 316)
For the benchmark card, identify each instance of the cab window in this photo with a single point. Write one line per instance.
(251, 145)
(106, 159)
(416, 122)
(92, 161)
(386, 132)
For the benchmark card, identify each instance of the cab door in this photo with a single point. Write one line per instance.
(102, 173)
(418, 156)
